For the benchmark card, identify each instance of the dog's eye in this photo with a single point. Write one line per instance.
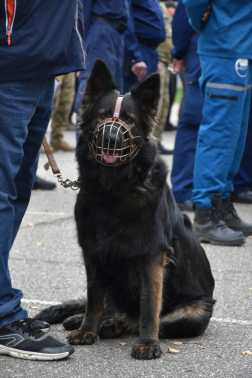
(102, 116)
(129, 120)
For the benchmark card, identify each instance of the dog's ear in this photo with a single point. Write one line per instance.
(100, 79)
(148, 92)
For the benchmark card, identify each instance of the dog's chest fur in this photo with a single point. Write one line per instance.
(118, 222)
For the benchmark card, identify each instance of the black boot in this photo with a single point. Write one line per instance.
(163, 150)
(230, 216)
(211, 228)
(42, 184)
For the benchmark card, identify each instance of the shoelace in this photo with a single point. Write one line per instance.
(230, 211)
(217, 215)
(33, 327)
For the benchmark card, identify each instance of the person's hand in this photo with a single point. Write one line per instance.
(158, 68)
(178, 64)
(139, 69)
(206, 15)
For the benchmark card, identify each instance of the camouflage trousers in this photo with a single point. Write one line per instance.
(62, 103)
(164, 101)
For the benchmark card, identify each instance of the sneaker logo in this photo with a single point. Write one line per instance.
(241, 66)
(15, 339)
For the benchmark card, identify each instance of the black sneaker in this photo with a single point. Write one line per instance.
(28, 339)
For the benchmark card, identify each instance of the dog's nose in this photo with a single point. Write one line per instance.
(110, 138)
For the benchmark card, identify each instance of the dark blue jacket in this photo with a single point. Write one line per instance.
(185, 43)
(181, 32)
(146, 21)
(45, 38)
(114, 9)
(228, 31)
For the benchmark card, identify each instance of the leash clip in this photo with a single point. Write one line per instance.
(74, 185)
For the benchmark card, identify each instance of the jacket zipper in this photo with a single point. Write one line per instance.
(10, 11)
(77, 30)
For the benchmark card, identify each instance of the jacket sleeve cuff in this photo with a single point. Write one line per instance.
(176, 54)
(196, 10)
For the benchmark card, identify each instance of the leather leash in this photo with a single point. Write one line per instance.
(56, 171)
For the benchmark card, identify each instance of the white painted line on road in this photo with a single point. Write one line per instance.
(219, 320)
(234, 321)
(43, 213)
(39, 302)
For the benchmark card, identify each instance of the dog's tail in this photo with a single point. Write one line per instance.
(58, 313)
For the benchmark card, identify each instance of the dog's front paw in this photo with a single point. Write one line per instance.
(81, 338)
(146, 351)
(73, 322)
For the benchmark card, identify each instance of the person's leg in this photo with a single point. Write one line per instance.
(20, 141)
(183, 161)
(243, 179)
(172, 92)
(224, 97)
(61, 108)
(239, 149)
(221, 133)
(185, 145)
(163, 104)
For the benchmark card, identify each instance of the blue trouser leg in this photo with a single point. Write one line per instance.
(150, 58)
(183, 160)
(243, 179)
(223, 128)
(187, 131)
(229, 187)
(25, 112)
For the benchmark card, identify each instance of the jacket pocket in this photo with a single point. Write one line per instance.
(225, 97)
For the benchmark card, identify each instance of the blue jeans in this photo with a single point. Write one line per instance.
(25, 112)
(226, 87)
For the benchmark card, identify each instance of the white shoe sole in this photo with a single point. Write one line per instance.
(31, 355)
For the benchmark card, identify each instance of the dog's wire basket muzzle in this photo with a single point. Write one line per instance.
(113, 142)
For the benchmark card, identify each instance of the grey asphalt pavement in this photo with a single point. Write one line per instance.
(46, 263)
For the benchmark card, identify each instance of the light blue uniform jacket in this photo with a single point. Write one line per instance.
(228, 31)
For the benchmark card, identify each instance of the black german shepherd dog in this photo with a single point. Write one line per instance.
(146, 271)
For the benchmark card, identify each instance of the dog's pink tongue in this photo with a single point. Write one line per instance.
(109, 157)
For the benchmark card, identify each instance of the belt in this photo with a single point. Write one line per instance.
(119, 26)
(194, 32)
(148, 43)
(193, 83)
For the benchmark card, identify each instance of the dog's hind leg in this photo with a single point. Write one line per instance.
(188, 320)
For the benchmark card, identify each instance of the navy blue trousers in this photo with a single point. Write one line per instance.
(26, 107)
(243, 179)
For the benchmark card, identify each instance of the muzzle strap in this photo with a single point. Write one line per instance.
(117, 107)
